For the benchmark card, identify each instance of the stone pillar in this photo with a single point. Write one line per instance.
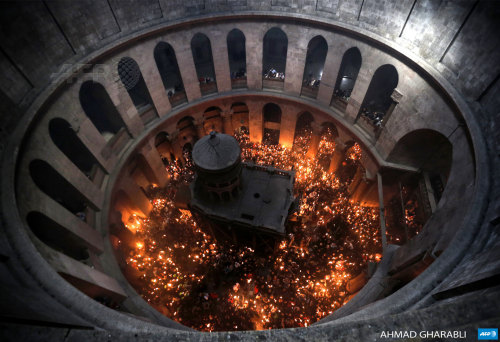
(254, 50)
(69, 108)
(136, 195)
(396, 97)
(154, 161)
(315, 139)
(382, 213)
(221, 60)
(227, 122)
(93, 282)
(338, 156)
(200, 127)
(295, 63)
(36, 200)
(144, 56)
(330, 74)
(94, 142)
(359, 92)
(122, 101)
(182, 48)
(288, 123)
(67, 170)
(256, 121)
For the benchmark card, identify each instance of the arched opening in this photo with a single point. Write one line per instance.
(142, 173)
(377, 103)
(212, 120)
(166, 62)
(274, 58)
(303, 131)
(236, 51)
(272, 124)
(204, 63)
(346, 79)
(164, 147)
(327, 147)
(99, 108)
(187, 130)
(313, 70)
(412, 197)
(131, 78)
(57, 237)
(65, 138)
(240, 118)
(48, 180)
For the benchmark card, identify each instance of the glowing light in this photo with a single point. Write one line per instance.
(187, 276)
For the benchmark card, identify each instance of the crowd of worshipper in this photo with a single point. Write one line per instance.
(273, 74)
(194, 280)
(241, 73)
(344, 94)
(206, 79)
(375, 117)
(173, 90)
(311, 81)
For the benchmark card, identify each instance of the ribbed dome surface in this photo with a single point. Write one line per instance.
(216, 151)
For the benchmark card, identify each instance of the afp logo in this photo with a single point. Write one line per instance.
(487, 334)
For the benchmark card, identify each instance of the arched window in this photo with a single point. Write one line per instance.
(274, 58)
(236, 51)
(164, 147)
(415, 196)
(187, 131)
(240, 118)
(212, 120)
(204, 63)
(346, 79)
(272, 124)
(48, 180)
(303, 131)
(166, 62)
(378, 101)
(132, 80)
(313, 70)
(99, 108)
(65, 138)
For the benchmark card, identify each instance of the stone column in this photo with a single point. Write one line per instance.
(33, 199)
(256, 121)
(227, 122)
(295, 62)
(67, 170)
(220, 59)
(200, 128)
(136, 195)
(254, 50)
(155, 163)
(396, 97)
(182, 48)
(338, 156)
(122, 101)
(382, 213)
(288, 123)
(315, 139)
(330, 74)
(143, 54)
(359, 92)
(69, 108)
(91, 280)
